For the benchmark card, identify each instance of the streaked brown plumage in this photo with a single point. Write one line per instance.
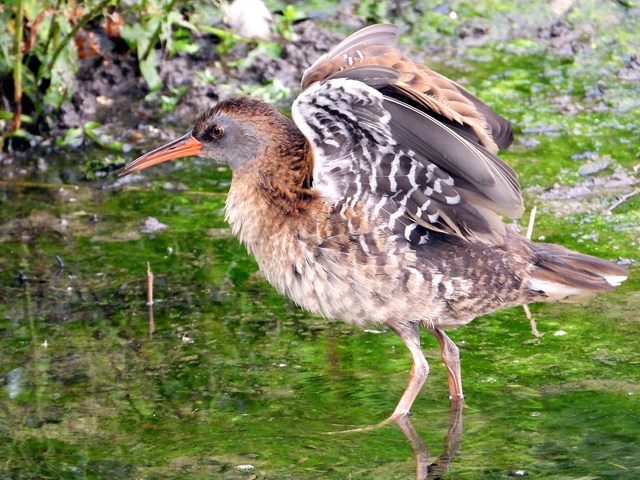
(381, 203)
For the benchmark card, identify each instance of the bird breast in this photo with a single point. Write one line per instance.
(340, 263)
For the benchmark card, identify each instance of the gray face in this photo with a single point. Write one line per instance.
(227, 140)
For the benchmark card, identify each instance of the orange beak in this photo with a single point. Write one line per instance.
(184, 146)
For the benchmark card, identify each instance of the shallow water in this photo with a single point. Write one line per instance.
(234, 381)
(234, 375)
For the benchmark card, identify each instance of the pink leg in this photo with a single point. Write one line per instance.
(419, 371)
(451, 359)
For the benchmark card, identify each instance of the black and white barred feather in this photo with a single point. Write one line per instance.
(362, 152)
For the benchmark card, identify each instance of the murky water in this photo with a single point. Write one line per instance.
(234, 381)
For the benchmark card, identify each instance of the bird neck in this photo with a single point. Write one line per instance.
(272, 190)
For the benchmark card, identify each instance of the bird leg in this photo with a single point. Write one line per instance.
(451, 359)
(419, 371)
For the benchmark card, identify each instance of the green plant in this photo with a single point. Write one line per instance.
(169, 102)
(44, 40)
(37, 51)
(274, 91)
(157, 21)
(227, 39)
(290, 15)
(373, 11)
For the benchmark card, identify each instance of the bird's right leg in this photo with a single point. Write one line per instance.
(410, 335)
(451, 359)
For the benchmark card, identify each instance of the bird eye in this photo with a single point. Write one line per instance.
(217, 131)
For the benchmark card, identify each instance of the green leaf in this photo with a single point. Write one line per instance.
(135, 36)
(149, 70)
(71, 138)
(4, 115)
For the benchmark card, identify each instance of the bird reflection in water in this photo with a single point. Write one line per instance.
(425, 469)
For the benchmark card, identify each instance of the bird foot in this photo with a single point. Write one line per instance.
(395, 417)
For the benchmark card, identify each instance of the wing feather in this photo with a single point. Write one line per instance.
(417, 149)
(381, 34)
(410, 169)
(373, 48)
(470, 164)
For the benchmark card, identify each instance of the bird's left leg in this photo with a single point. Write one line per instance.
(410, 336)
(451, 359)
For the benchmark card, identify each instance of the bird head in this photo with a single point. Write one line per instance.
(234, 132)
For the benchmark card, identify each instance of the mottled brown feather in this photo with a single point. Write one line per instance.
(427, 88)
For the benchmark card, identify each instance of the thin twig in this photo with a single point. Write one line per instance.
(532, 322)
(17, 68)
(618, 465)
(621, 200)
(149, 285)
(128, 188)
(527, 312)
(152, 325)
(20, 184)
(532, 219)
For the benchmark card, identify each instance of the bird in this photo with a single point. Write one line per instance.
(382, 201)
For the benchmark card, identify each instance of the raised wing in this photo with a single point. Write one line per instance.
(415, 84)
(409, 168)
(327, 64)
(415, 145)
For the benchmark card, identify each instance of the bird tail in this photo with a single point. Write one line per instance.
(560, 274)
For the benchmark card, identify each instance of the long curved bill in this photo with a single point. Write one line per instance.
(184, 146)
